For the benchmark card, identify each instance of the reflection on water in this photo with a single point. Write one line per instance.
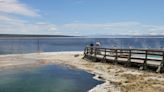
(46, 78)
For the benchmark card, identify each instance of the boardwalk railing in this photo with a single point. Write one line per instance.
(141, 57)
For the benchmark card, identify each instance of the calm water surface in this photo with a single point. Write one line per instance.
(53, 44)
(46, 78)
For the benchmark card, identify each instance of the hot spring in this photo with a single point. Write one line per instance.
(46, 78)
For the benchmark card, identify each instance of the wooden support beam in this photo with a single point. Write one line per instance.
(161, 66)
(95, 52)
(129, 58)
(144, 65)
(116, 57)
(85, 51)
(91, 50)
(104, 57)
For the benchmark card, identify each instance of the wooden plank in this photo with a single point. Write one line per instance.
(155, 54)
(137, 58)
(137, 53)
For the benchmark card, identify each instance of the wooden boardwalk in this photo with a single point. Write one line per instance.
(142, 58)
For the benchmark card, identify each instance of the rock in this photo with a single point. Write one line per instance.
(76, 55)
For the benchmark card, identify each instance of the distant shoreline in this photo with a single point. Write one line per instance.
(33, 35)
(89, 36)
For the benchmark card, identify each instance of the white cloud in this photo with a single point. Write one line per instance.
(11, 24)
(107, 26)
(46, 26)
(15, 7)
(157, 28)
(17, 26)
(4, 18)
(8, 19)
(132, 28)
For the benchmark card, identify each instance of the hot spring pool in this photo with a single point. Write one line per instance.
(46, 78)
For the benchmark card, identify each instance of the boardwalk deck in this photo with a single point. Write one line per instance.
(141, 57)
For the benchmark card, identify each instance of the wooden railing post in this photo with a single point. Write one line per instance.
(116, 56)
(162, 62)
(87, 50)
(95, 51)
(144, 65)
(129, 58)
(161, 66)
(105, 54)
(104, 57)
(91, 50)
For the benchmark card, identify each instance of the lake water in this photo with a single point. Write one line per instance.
(46, 78)
(54, 44)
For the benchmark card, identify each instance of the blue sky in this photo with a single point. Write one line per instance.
(82, 17)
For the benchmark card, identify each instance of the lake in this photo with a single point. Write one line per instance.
(55, 44)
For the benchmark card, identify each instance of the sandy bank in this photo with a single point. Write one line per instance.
(117, 78)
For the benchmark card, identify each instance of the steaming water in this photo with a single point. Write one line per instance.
(52, 44)
(46, 78)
